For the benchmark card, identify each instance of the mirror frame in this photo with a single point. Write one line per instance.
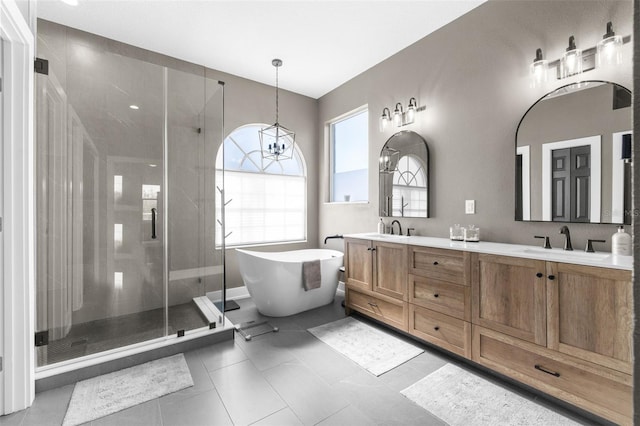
(416, 140)
(517, 179)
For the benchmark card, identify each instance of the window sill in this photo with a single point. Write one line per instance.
(345, 202)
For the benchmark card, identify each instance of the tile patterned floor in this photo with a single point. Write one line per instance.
(283, 378)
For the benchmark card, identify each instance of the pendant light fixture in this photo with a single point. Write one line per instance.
(277, 142)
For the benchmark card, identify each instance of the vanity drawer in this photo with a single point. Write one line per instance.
(385, 309)
(449, 333)
(440, 296)
(598, 389)
(445, 265)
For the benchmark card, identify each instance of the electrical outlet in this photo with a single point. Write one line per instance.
(470, 206)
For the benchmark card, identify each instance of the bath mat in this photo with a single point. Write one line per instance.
(107, 394)
(369, 347)
(462, 398)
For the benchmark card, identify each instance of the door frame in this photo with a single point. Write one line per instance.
(18, 199)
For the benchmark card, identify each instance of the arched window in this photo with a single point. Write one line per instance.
(268, 197)
(409, 187)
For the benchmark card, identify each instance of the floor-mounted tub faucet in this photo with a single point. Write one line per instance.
(567, 237)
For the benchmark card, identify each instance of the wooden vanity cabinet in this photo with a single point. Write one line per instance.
(590, 314)
(600, 390)
(358, 263)
(439, 298)
(509, 296)
(376, 280)
(564, 329)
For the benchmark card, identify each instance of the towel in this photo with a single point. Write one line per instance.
(311, 277)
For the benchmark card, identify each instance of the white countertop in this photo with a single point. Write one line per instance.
(578, 257)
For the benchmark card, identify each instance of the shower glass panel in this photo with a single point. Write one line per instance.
(194, 130)
(125, 198)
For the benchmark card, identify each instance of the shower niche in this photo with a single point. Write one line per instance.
(126, 197)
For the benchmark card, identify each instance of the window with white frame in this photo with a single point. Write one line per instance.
(349, 139)
(267, 199)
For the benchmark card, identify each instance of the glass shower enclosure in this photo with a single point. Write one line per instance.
(126, 198)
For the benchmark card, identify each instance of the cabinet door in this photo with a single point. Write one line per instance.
(591, 314)
(508, 295)
(358, 262)
(390, 269)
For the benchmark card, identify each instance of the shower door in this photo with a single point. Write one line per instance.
(195, 267)
(100, 201)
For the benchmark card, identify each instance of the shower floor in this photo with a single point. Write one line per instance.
(111, 333)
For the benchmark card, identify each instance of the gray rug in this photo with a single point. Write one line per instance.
(369, 347)
(461, 398)
(107, 394)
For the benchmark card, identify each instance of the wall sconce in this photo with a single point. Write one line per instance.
(400, 117)
(609, 49)
(538, 70)
(389, 158)
(410, 115)
(575, 61)
(571, 62)
(385, 120)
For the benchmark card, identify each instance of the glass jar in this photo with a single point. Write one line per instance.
(472, 234)
(456, 232)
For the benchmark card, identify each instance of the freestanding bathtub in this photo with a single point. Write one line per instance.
(274, 280)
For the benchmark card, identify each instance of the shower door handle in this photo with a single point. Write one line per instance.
(153, 223)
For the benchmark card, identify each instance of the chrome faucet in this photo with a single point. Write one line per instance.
(567, 237)
(399, 227)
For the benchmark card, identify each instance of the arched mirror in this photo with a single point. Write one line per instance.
(570, 156)
(404, 176)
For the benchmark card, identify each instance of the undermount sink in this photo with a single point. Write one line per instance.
(567, 254)
(389, 236)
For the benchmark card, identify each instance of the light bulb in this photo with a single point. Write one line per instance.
(538, 70)
(609, 49)
(571, 60)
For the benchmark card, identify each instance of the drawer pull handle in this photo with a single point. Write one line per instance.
(436, 328)
(435, 263)
(552, 277)
(436, 295)
(373, 304)
(539, 275)
(544, 370)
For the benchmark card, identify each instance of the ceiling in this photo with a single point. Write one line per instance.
(323, 43)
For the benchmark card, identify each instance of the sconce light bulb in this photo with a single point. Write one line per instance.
(397, 115)
(571, 60)
(609, 49)
(538, 70)
(410, 115)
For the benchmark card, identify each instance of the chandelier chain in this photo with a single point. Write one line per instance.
(277, 94)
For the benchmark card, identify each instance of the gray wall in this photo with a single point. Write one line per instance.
(472, 76)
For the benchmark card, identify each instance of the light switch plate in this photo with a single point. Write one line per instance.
(470, 206)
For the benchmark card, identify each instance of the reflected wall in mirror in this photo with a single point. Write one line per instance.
(404, 176)
(569, 165)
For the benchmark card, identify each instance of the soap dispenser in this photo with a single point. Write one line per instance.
(621, 242)
(381, 227)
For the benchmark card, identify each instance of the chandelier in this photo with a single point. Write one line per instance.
(277, 142)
